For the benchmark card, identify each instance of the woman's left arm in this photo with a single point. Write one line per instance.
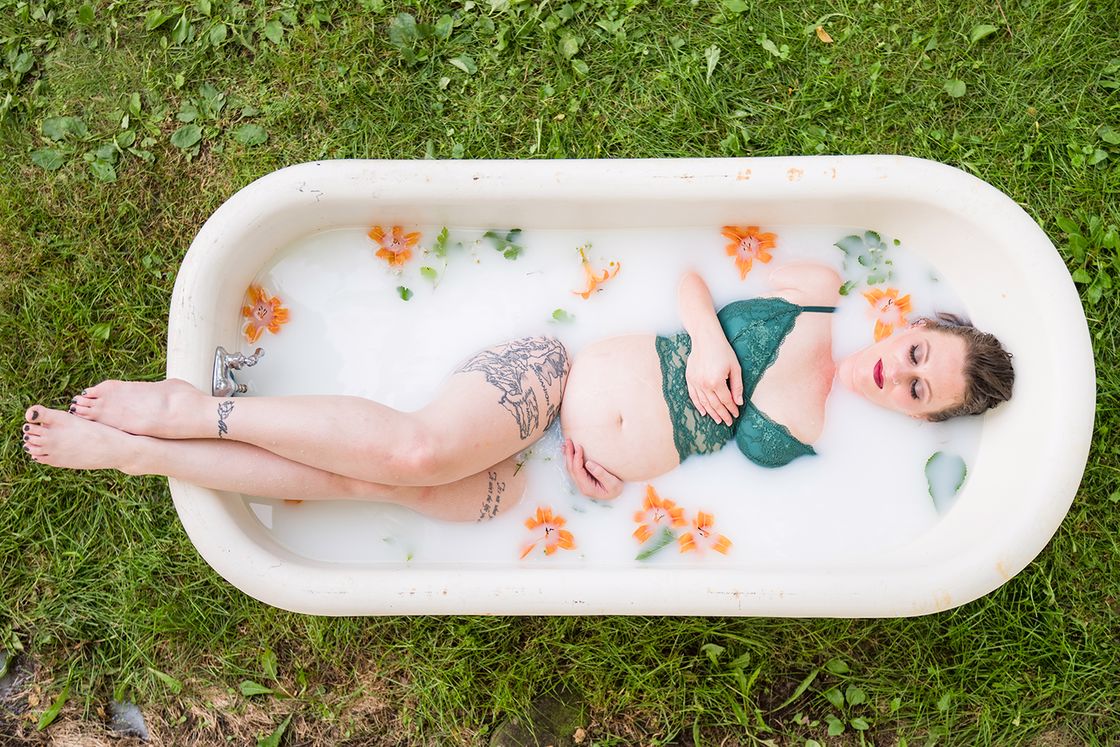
(812, 281)
(713, 373)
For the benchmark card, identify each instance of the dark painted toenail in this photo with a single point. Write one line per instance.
(74, 401)
(84, 391)
(34, 414)
(26, 448)
(26, 438)
(71, 409)
(26, 427)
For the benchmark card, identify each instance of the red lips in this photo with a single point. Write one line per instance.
(878, 374)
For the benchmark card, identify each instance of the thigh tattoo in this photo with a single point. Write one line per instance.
(493, 497)
(506, 368)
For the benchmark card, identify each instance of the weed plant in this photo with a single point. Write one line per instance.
(124, 124)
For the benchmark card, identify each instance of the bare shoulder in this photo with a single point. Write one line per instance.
(806, 283)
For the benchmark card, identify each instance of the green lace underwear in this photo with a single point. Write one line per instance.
(755, 328)
(693, 433)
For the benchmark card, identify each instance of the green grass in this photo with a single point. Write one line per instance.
(98, 582)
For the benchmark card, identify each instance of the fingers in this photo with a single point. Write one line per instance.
(695, 397)
(575, 469)
(727, 404)
(716, 408)
(611, 483)
(716, 403)
(606, 479)
(737, 385)
(592, 479)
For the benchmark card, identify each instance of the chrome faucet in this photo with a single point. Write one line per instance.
(225, 363)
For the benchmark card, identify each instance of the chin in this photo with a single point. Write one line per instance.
(847, 378)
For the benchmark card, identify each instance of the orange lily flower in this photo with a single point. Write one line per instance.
(262, 313)
(747, 245)
(592, 279)
(656, 511)
(704, 536)
(396, 247)
(887, 309)
(552, 534)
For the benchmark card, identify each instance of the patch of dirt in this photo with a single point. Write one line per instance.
(1055, 738)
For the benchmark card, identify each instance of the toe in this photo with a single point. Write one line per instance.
(34, 413)
(82, 401)
(44, 416)
(82, 410)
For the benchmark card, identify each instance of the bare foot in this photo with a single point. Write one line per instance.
(62, 440)
(165, 409)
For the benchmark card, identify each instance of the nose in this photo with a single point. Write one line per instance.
(896, 372)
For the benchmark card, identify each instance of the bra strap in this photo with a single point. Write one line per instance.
(821, 309)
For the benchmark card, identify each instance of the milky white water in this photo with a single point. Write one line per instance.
(351, 333)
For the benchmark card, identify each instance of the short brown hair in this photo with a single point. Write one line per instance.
(988, 375)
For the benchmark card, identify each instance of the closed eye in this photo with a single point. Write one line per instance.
(914, 389)
(914, 354)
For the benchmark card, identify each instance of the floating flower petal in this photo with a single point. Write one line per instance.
(704, 536)
(396, 246)
(549, 531)
(262, 313)
(656, 512)
(748, 244)
(592, 279)
(887, 309)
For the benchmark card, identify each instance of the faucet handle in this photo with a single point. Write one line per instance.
(223, 383)
(237, 361)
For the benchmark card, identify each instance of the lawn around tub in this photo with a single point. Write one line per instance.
(125, 125)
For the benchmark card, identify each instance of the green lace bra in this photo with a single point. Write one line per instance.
(755, 328)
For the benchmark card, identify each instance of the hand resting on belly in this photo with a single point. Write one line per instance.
(614, 417)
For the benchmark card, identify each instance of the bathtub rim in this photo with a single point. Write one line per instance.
(210, 527)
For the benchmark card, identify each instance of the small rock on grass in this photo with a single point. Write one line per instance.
(125, 719)
(553, 721)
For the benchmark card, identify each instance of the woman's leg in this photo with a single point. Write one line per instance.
(59, 439)
(493, 405)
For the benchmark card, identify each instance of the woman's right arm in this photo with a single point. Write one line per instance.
(713, 373)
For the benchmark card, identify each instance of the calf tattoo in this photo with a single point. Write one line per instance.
(493, 497)
(224, 409)
(506, 367)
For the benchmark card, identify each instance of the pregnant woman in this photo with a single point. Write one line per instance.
(757, 373)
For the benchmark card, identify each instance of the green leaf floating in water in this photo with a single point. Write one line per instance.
(945, 474)
(662, 541)
(864, 254)
(508, 246)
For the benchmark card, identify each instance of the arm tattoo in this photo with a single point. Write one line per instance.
(224, 409)
(514, 367)
(493, 497)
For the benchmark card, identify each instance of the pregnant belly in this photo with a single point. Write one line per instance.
(614, 408)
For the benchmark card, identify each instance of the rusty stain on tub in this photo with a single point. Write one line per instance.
(794, 174)
(833, 172)
(942, 601)
(743, 175)
(1001, 569)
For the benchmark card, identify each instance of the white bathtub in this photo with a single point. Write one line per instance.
(1025, 475)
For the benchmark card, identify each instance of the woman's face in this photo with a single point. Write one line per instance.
(916, 372)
